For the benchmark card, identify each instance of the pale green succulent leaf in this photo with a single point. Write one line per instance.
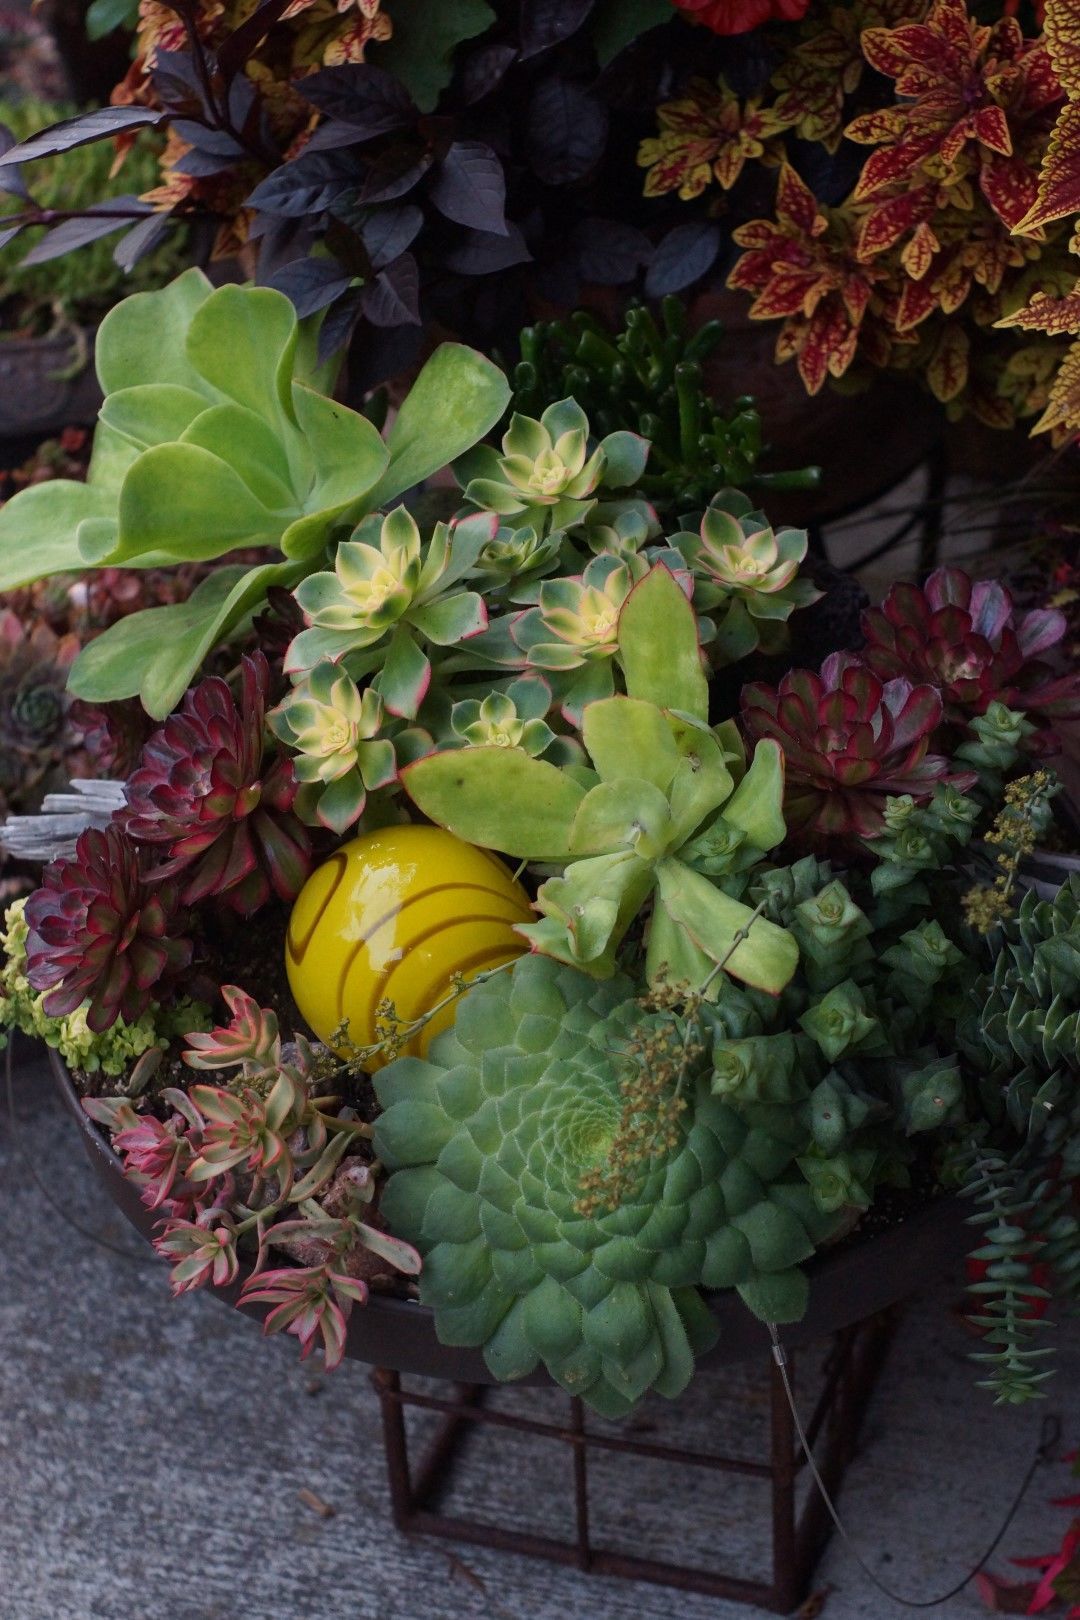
(187, 502)
(499, 798)
(457, 398)
(347, 452)
(625, 456)
(242, 341)
(626, 737)
(757, 805)
(38, 529)
(249, 445)
(780, 1296)
(620, 815)
(766, 959)
(143, 339)
(658, 646)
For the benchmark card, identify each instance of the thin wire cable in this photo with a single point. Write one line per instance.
(31, 1169)
(1050, 1435)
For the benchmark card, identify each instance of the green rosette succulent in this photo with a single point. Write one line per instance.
(340, 756)
(513, 718)
(746, 577)
(488, 1142)
(546, 476)
(386, 596)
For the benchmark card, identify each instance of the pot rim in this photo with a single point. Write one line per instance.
(848, 1284)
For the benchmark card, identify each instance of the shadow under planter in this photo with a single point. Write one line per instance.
(855, 1289)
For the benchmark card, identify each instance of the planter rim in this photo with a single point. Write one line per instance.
(854, 1281)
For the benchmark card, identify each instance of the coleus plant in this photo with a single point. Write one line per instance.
(659, 815)
(216, 434)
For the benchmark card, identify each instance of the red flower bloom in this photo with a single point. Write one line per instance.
(740, 16)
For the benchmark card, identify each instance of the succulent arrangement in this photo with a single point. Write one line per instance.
(744, 978)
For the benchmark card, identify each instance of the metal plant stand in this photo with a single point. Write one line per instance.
(853, 1363)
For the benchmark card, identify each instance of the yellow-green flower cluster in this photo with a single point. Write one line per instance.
(111, 1053)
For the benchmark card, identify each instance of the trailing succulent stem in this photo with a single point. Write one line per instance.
(1008, 1294)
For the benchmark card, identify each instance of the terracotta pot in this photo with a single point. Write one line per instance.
(864, 443)
(846, 1285)
(37, 396)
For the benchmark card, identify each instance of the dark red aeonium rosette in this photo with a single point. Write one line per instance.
(740, 16)
(204, 790)
(100, 933)
(850, 742)
(966, 638)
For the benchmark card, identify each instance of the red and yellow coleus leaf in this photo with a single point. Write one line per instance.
(947, 372)
(1056, 316)
(804, 271)
(707, 135)
(967, 94)
(1058, 191)
(827, 64)
(1061, 30)
(1061, 417)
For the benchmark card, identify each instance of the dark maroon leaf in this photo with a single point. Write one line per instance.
(310, 284)
(99, 220)
(142, 239)
(380, 353)
(307, 186)
(683, 257)
(9, 235)
(470, 187)
(567, 131)
(202, 164)
(547, 22)
(609, 251)
(176, 81)
(332, 136)
(484, 71)
(393, 175)
(482, 254)
(387, 232)
(366, 97)
(337, 328)
(393, 298)
(214, 142)
(99, 125)
(249, 36)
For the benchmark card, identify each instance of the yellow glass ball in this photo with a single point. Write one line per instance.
(392, 916)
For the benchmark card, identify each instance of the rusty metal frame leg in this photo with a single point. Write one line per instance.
(797, 1541)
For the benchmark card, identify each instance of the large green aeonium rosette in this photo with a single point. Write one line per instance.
(487, 1142)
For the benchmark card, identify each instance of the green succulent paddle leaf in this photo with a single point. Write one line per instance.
(488, 1141)
(638, 826)
(217, 434)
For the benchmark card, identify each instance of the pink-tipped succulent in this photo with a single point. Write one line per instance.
(203, 1251)
(205, 793)
(850, 742)
(311, 1302)
(100, 933)
(965, 637)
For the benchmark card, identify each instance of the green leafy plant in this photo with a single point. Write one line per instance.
(216, 434)
(489, 1142)
(660, 814)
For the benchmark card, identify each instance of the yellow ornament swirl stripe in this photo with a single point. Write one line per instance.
(394, 916)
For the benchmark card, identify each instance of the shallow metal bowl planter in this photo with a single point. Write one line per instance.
(855, 1289)
(47, 384)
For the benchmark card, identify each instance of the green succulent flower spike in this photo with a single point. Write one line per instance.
(749, 573)
(340, 756)
(217, 433)
(546, 476)
(489, 1140)
(659, 816)
(387, 594)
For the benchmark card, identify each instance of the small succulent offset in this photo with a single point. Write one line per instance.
(339, 757)
(966, 638)
(100, 934)
(745, 577)
(546, 476)
(514, 718)
(660, 815)
(221, 813)
(489, 1142)
(37, 740)
(388, 594)
(218, 433)
(850, 742)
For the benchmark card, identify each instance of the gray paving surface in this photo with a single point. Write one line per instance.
(151, 1456)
